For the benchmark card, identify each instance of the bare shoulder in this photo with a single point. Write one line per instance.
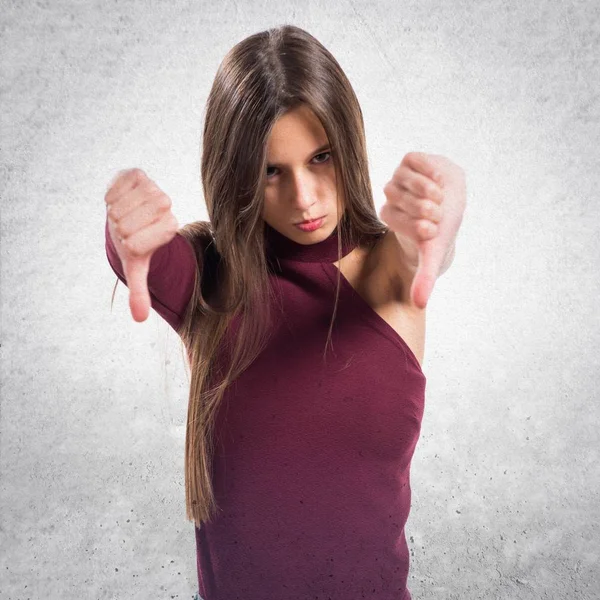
(388, 266)
(380, 276)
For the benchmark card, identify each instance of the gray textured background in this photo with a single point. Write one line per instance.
(505, 477)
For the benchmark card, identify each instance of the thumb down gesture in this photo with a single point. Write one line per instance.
(139, 222)
(425, 203)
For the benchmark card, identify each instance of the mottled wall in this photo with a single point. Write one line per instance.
(505, 478)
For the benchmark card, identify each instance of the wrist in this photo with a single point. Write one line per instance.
(409, 252)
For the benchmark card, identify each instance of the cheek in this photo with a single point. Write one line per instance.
(268, 202)
(332, 180)
(269, 205)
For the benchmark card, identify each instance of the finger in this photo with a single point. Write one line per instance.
(431, 257)
(401, 222)
(419, 185)
(144, 192)
(420, 289)
(123, 182)
(138, 218)
(147, 239)
(425, 209)
(418, 208)
(136, 275)
(422, 163)
(144, 213)
(114, 179)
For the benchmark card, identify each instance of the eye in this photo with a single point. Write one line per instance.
(319, 162)
(323, 154)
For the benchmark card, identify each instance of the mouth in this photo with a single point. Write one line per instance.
(312, 225)
(309, 221)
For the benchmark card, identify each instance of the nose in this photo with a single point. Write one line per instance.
(302, 191)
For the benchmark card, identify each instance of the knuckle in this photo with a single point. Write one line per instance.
(432, 190)
(153, 195)
(151, 188)
(109, 196)
(133, 247)
(424, 227)
(159, 198)
(116, 178)
(165, 201)
(400, 171)
(383, 212)
(120, 229)
(415, 159)
(137, 172)
(112, 216)
(412, 156)
(389, 188)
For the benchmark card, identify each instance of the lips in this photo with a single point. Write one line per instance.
(309, 221)
(311, 225)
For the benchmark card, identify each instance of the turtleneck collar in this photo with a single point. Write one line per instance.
(282, 247)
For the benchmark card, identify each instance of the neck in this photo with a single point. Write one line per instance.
(282, 247)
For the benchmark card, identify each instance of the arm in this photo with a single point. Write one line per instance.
(170, 278)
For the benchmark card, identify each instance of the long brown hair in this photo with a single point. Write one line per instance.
(259, 80)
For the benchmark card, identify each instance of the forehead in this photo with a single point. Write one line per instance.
(299, 126)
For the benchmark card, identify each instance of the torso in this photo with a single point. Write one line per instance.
(379, 278)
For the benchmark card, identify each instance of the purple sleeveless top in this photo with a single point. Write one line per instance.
(312, 459)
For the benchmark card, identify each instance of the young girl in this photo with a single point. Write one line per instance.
(303, 323)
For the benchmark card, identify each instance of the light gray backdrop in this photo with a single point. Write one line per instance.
(505, 477)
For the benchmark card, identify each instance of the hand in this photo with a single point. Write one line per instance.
(139, 222)
(426, 200)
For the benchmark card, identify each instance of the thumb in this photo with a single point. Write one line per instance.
(430, 262)
(136, 274)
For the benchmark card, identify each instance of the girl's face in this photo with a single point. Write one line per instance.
(300, 177)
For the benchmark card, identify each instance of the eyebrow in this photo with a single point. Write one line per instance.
(317, 151)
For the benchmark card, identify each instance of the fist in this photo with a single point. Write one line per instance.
(425, 203)
(139, 222)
